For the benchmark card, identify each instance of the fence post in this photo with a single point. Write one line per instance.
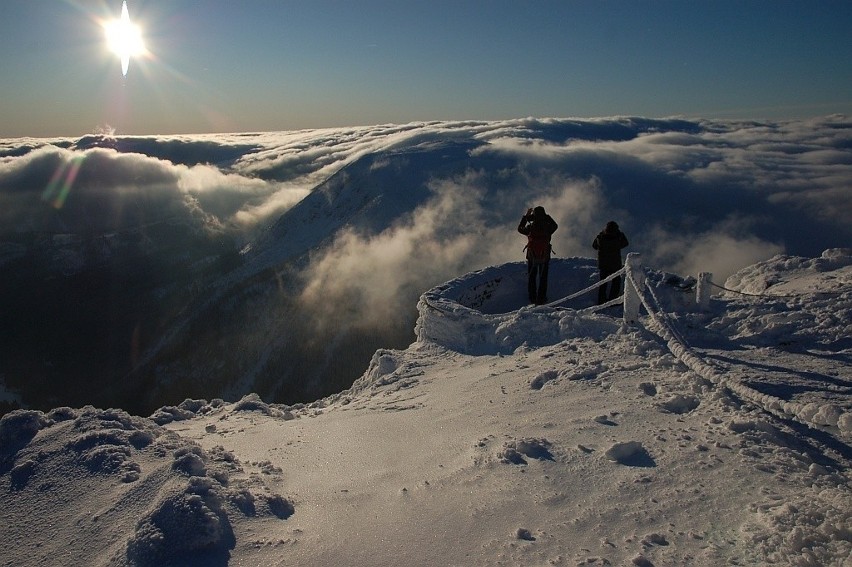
(634, 286)
(702, 290)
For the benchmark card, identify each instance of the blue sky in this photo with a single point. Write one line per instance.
(225, 66)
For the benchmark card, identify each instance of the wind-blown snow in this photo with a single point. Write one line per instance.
(526, 436)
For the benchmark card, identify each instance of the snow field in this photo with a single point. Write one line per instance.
(527, 437)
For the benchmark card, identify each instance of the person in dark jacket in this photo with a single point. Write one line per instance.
(609, 244)
(538, 227)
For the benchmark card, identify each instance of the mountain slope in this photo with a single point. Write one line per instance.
(528, 436)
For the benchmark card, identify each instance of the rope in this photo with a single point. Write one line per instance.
(588, 289)
(773, 295)
(679, 347)
(714, 284)
(663, 315)
(617, 301)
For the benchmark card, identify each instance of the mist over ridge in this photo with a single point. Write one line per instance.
(150, 269)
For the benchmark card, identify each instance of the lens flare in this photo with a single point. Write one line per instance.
(62, 181)
(124, 38)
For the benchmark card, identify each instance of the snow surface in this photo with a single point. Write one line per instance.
(505, 435)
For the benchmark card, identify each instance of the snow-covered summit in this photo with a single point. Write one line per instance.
(505, 435)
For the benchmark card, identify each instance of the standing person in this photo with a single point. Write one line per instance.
(609, 244)
(538, 226)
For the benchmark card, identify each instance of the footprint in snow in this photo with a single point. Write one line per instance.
(539, 381)
(654, 539)
(514, 451)
(648, 388)
(604, 420)
(679, 404)
(631, 454)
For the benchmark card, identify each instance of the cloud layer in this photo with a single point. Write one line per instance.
(691, 194)
(362, 220)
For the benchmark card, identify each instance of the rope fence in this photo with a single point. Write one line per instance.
(773, 296)
(454, 320)
(587, 290)
(663, 327)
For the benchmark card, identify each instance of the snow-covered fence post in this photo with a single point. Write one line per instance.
(702, 290)
(634, 286)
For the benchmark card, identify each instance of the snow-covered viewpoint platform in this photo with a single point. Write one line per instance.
(486, 312)
(505, 435)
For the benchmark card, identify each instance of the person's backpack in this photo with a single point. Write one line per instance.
(538, 247)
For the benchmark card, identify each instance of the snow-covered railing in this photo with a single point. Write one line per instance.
(637, 290)
(634, 287)
(634, 273)
(703, 289)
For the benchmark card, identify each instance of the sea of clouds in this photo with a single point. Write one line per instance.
(416, 204)
(727, 192)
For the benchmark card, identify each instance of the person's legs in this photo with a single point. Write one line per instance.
(531, 287)
(615, 290)
(602, 289)
(543, 269)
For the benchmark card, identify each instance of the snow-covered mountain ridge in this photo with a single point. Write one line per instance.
(501, 436)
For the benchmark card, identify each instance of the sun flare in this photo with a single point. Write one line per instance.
(124, 38)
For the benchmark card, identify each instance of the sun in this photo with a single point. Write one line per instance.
(124, 38)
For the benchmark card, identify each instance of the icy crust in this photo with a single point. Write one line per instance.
(797, 305)
(605, 443)
(808, 525)
(177, 500)
(810, 528)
